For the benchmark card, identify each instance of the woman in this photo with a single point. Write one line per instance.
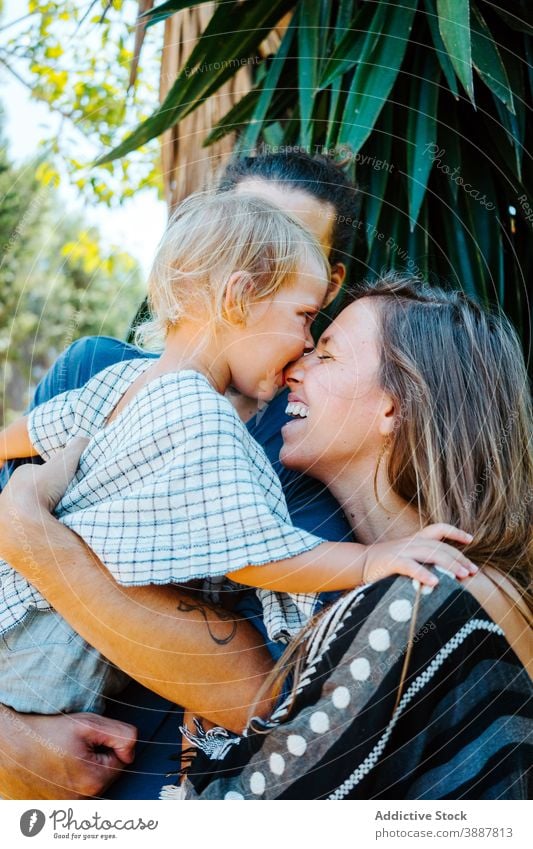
(400, 692)
(400, 441)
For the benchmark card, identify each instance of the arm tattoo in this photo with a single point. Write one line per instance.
(221, 614)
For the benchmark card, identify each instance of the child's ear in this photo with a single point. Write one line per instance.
(337, 275)
(236, 297)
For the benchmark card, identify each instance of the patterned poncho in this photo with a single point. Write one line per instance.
(461, 727)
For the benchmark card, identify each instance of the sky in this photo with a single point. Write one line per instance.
(136, 227)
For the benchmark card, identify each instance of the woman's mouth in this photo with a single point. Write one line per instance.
(297, 409)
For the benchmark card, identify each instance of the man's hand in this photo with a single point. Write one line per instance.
(32, 494)
(45, 485)
(73, 756)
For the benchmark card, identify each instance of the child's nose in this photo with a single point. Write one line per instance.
(309, 342)
(294, 372)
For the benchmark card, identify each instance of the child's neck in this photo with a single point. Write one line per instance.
(190, 346)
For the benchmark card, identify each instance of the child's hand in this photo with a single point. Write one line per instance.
(405, 556)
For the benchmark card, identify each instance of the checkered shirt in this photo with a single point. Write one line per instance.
(172, 490)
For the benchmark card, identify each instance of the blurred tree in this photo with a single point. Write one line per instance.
(76, 58)
(57, 282)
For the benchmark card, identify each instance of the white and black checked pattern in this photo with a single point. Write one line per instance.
(174, 489)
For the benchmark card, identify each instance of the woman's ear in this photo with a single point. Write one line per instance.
(336, 279)
(235, 300)
(387, 421)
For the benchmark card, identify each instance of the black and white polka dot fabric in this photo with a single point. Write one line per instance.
(405, 692)
(172, 490)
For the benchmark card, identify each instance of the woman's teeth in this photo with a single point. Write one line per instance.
(296, 408)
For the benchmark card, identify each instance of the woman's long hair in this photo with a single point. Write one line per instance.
(462, 448)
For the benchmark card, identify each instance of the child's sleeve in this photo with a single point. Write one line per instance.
(52, 424)
(76, 412)
(212, 505)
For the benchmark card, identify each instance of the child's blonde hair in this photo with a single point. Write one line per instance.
(209, 238)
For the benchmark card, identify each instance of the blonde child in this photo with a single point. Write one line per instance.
(171, 487)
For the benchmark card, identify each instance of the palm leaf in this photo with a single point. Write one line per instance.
(487, 61)
(237, 116)
(336, 101)
(378, 177)
(374, 78)
(421, 134)
(309, 14)
(520, 19)
(454, 27)
(165, 10)
(238, 30)
(359, 39)
(270, 84)
(456, 251)
(440, 49)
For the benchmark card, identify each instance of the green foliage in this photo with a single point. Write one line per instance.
(237, 29)
(57, 281)
(77, 60)
(427, 99)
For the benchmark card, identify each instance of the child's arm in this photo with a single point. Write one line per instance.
(344, 565)
(15, 441)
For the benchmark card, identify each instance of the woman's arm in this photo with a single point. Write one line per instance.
(61, 757)
(188, 651)
(15, 441)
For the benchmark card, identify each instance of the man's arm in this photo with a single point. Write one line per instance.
(61, 757)
(188, 651)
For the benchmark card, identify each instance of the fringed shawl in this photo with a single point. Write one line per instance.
(458, 728)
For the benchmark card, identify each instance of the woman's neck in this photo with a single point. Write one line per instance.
(388, 517)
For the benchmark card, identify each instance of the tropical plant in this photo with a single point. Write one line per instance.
(428, 103)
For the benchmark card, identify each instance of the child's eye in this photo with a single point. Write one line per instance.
(324, 357)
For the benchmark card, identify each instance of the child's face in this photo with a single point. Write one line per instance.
(276, 333)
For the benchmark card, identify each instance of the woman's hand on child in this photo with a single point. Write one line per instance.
(406, 556)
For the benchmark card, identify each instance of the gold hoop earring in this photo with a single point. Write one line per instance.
(385, 448)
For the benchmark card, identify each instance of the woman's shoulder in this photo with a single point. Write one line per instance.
(397, 627)
(452, 610)
(500, 599)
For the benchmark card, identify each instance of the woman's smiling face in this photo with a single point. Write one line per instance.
(341, 413)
